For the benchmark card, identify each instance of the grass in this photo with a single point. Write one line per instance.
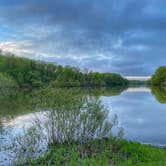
(101, 153)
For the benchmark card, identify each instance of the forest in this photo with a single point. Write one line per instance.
(27, 73)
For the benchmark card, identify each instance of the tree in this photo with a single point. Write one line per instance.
(30, 73)
(6, 81)
(159, 78)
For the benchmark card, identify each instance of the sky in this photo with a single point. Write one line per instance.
(123, 36)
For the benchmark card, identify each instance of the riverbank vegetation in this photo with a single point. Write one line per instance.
(31, 73)
(159, 77)
(102, 152)
(158, 84)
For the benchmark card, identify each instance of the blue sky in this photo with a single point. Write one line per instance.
(124, 36)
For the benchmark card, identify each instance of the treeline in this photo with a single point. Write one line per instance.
(159, 77)
(30, 73)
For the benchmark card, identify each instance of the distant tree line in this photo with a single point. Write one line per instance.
(30, 73)
(159, 77)
(137, 83)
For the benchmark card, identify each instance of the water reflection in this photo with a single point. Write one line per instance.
(16, 103)
(1, 126)
(138, 89)
(106, 91)
(78, 114)
(140, 114)
(159, 93)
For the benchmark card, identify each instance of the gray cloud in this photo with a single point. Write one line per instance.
(110, 35)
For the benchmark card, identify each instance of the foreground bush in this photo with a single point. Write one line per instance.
(64, 117)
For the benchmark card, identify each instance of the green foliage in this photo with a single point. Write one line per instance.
(103, 152)
(6, 81)
(112, 79)
(30, 73)
(71, 116)
(26, 72)
(159, 78)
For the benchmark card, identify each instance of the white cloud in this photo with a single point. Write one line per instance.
(23, 48)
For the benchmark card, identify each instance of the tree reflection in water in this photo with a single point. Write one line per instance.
(159, 93)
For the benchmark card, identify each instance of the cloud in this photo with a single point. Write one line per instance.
(110, 35)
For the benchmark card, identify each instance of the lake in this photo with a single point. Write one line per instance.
(140, 112)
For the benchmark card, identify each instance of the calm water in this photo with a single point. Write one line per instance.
(140, 111)
(142, 117)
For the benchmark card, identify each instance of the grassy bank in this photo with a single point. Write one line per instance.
(103, 152)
